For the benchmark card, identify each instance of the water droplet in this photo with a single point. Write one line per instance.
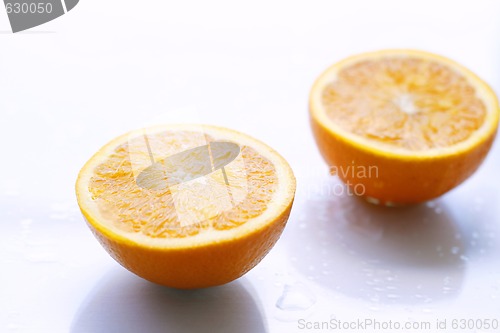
(475, 235)
(447, 290)
(372, 200)
(464, 258)
(295, 298)
(455, 250)
(431, 204)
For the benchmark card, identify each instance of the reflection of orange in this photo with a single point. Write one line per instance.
(402, 126)
(186, 236)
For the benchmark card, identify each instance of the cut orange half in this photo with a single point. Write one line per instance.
(186, 206)
(402, 126)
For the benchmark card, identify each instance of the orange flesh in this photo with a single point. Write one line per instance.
(152, 211)
(412, 103)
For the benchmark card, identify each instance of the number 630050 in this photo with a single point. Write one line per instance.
(29, 8)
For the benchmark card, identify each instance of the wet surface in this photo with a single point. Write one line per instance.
(67, 92)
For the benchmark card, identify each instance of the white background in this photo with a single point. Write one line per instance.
(107, 67)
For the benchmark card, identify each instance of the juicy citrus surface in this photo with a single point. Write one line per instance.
(405, 101)
(153, 213)
(221, 222)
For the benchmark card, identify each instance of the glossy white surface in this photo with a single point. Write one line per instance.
(71, 85)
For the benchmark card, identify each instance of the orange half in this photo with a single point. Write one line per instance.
(179, 206)
(402, 126)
